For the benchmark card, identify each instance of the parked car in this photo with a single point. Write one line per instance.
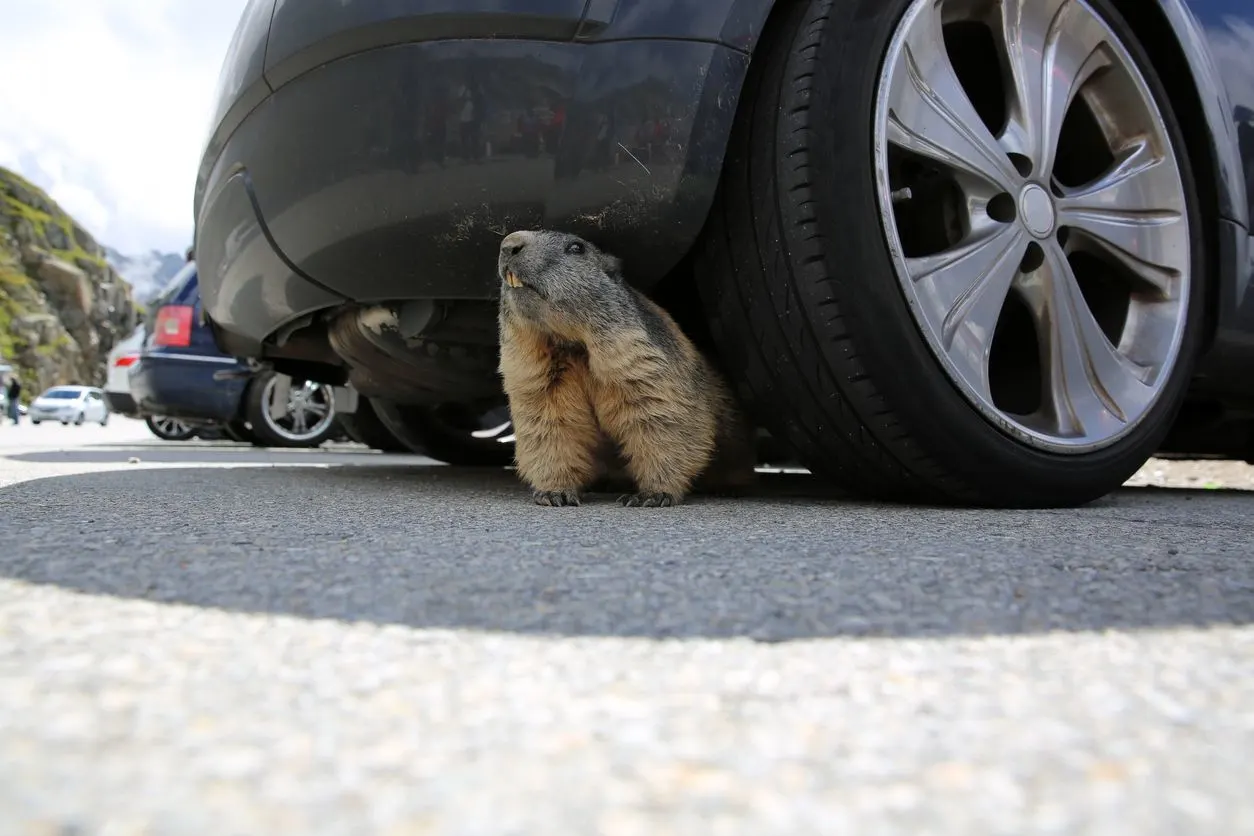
(117, 388)
(118, 395)
(70, 405)
(986, 253)
(180, 374)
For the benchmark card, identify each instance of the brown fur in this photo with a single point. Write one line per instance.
(600, 378)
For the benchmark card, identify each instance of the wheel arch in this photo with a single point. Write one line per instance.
(1172, 39)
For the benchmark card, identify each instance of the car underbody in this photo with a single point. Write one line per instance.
(837, 275)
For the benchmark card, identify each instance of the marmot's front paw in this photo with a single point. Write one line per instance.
(647, 499)
(556, 498)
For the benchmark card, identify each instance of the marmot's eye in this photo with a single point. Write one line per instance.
(574, 248)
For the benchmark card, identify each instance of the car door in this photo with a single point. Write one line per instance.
(97, 406)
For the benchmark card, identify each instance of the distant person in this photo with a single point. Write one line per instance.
(13, 390)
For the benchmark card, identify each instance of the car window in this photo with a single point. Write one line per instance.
(173, 286)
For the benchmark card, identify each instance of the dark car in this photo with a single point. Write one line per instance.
(181, 375)
(982, 252)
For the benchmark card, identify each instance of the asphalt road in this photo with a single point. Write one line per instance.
(220, 639)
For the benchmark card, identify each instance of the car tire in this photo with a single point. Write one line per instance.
(104, 422)
(365, 427)
(79, 419)
(444, 433)
(169, 429)
(239, 431)
(799, 278)
(270, 433)
(36, 423)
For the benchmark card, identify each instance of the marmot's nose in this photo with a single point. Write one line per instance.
(515, 241)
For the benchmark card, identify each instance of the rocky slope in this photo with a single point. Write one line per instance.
(62, 306)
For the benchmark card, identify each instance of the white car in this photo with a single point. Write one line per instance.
(70, 405)
(117, 388)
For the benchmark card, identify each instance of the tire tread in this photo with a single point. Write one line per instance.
(840, 425)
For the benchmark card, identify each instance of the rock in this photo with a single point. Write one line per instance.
(86, 242)
(28, 195)
(62, 306)
(38, 329)
(45, 351)
(56, 236)
(66, 284)
(25, 232)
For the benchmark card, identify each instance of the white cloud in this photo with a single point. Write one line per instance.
(106, 105)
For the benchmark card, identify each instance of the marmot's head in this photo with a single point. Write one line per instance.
(558, 280)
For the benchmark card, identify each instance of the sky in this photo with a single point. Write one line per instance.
(105, 104)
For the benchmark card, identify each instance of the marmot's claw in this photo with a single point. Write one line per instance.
(555, 498)
(647, 500)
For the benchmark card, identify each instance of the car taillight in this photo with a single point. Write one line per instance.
(173, 326)
(126, 360)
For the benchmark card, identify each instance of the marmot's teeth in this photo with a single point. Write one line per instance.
(511, 279)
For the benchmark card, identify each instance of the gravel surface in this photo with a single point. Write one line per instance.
(249, 641)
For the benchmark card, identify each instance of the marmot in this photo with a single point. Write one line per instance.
(600, 378)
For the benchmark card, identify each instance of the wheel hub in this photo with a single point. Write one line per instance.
(1036, 208)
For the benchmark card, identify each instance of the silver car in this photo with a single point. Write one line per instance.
(70, 405)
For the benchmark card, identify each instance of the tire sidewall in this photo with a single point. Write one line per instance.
(891, 347)
(419, 429)
(365, 427)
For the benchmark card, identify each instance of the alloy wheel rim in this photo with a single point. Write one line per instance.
(310, 410)
(1035, 215)
(170, 426)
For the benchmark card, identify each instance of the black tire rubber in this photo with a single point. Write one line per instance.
(263, 435)
(239, 431)
(79, 419)
(796, 280)
(168, 436)
(364, 427)
(421, 430)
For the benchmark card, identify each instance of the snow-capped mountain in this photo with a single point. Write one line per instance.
(146, 273)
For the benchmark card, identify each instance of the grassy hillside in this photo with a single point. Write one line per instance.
(62, 307)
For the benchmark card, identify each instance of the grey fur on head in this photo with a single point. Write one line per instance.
(558, 280)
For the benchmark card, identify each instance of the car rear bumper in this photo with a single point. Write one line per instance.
(392, 173)
(185, 388)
